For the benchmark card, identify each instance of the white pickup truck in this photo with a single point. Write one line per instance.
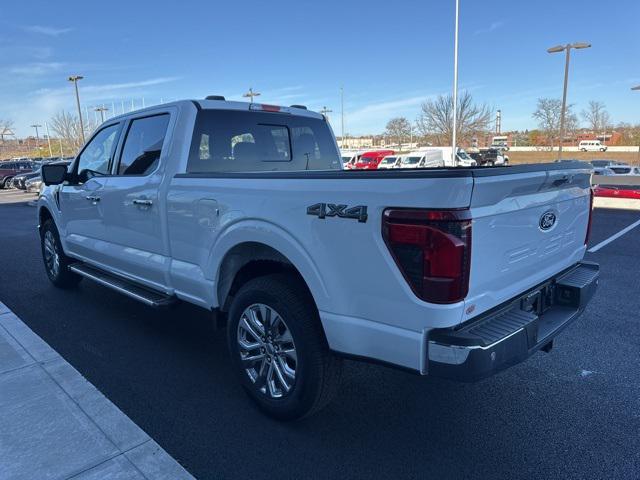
(244, 210)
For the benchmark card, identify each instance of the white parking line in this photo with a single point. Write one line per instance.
(613, 237)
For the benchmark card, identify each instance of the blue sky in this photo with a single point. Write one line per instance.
(389, 56)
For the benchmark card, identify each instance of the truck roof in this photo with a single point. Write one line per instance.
(228, 105)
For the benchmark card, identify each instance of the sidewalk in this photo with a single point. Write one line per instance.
(55, 425)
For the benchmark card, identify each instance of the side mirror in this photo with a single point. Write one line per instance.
(54, 174)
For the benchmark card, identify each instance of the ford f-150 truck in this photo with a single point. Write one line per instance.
(244, 210)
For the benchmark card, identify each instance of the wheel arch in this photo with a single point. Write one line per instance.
(43, 215)
(249, 260)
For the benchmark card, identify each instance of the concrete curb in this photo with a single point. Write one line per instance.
(55, 424)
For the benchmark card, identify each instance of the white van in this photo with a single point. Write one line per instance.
(462, 158)
(591, 146)
(390, 161)
(422, 159)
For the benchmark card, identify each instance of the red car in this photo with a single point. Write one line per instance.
(11, 168)
(371, 160)
(616, 192)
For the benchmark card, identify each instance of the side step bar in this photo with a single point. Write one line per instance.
(130, 289)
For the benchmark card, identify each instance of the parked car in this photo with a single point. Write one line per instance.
(454, 273)
(350, 157)
(604, 163)
(19, 180)
(606, 171)
(11, 168)
(371, 160)
(624, 170)
(612, 191)
(592, 146)
(390, 161)
(490, 157)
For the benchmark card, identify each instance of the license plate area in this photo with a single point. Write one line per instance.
(540, 300)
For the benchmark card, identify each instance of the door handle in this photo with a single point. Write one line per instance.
(92, 198)
(142, 202)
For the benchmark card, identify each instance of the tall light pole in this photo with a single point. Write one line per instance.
(342, 115)
(250, 94)
(46, 126)
(636, 88)
(36, 126)
(567, 49)
(101, 110)
(455, 85)
(74, 79)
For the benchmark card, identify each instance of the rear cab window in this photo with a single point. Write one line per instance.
(241, 141)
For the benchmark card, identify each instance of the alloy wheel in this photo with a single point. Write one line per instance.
(267, 350)
(51, 257)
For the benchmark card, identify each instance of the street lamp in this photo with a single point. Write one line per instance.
(74, 79)
(636, 88)
(455, 85)
(565, 48)
(250, 94)
(101, 110)
(36, 126)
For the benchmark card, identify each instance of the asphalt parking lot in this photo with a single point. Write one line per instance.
(572, 413)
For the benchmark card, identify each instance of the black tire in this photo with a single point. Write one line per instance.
(317, 370)
(7, 182)
(61, 276)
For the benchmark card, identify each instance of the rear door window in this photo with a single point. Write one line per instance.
(143, 145)
(241, 141)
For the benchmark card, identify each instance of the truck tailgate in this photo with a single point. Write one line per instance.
(528, 225)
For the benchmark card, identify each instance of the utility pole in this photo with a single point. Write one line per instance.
(324, 112)
(101, 109)
(250, 94)
(74, 79)
(498, 122)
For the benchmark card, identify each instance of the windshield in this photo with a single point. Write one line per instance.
(463, 155)
(620, 170)
(346, 159)
(411, 160)
(366, 160)
(389, 160)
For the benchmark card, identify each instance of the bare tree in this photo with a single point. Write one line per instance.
(436, 119)
(596, 116)
(548, 113)
(6, 128)
(398, 128)
(67, 127)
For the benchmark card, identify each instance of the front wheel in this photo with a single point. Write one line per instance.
(279, 349)
(56, 263)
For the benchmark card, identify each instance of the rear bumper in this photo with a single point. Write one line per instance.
(510, 334)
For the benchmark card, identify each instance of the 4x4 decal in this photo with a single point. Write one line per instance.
(324, 210)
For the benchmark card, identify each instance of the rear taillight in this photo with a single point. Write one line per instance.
(586, 237)
(432, 250)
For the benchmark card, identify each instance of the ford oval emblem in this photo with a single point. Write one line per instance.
(547, 221)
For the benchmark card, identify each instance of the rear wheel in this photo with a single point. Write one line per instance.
(7, 182)
(279, 349)
(56, 263)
